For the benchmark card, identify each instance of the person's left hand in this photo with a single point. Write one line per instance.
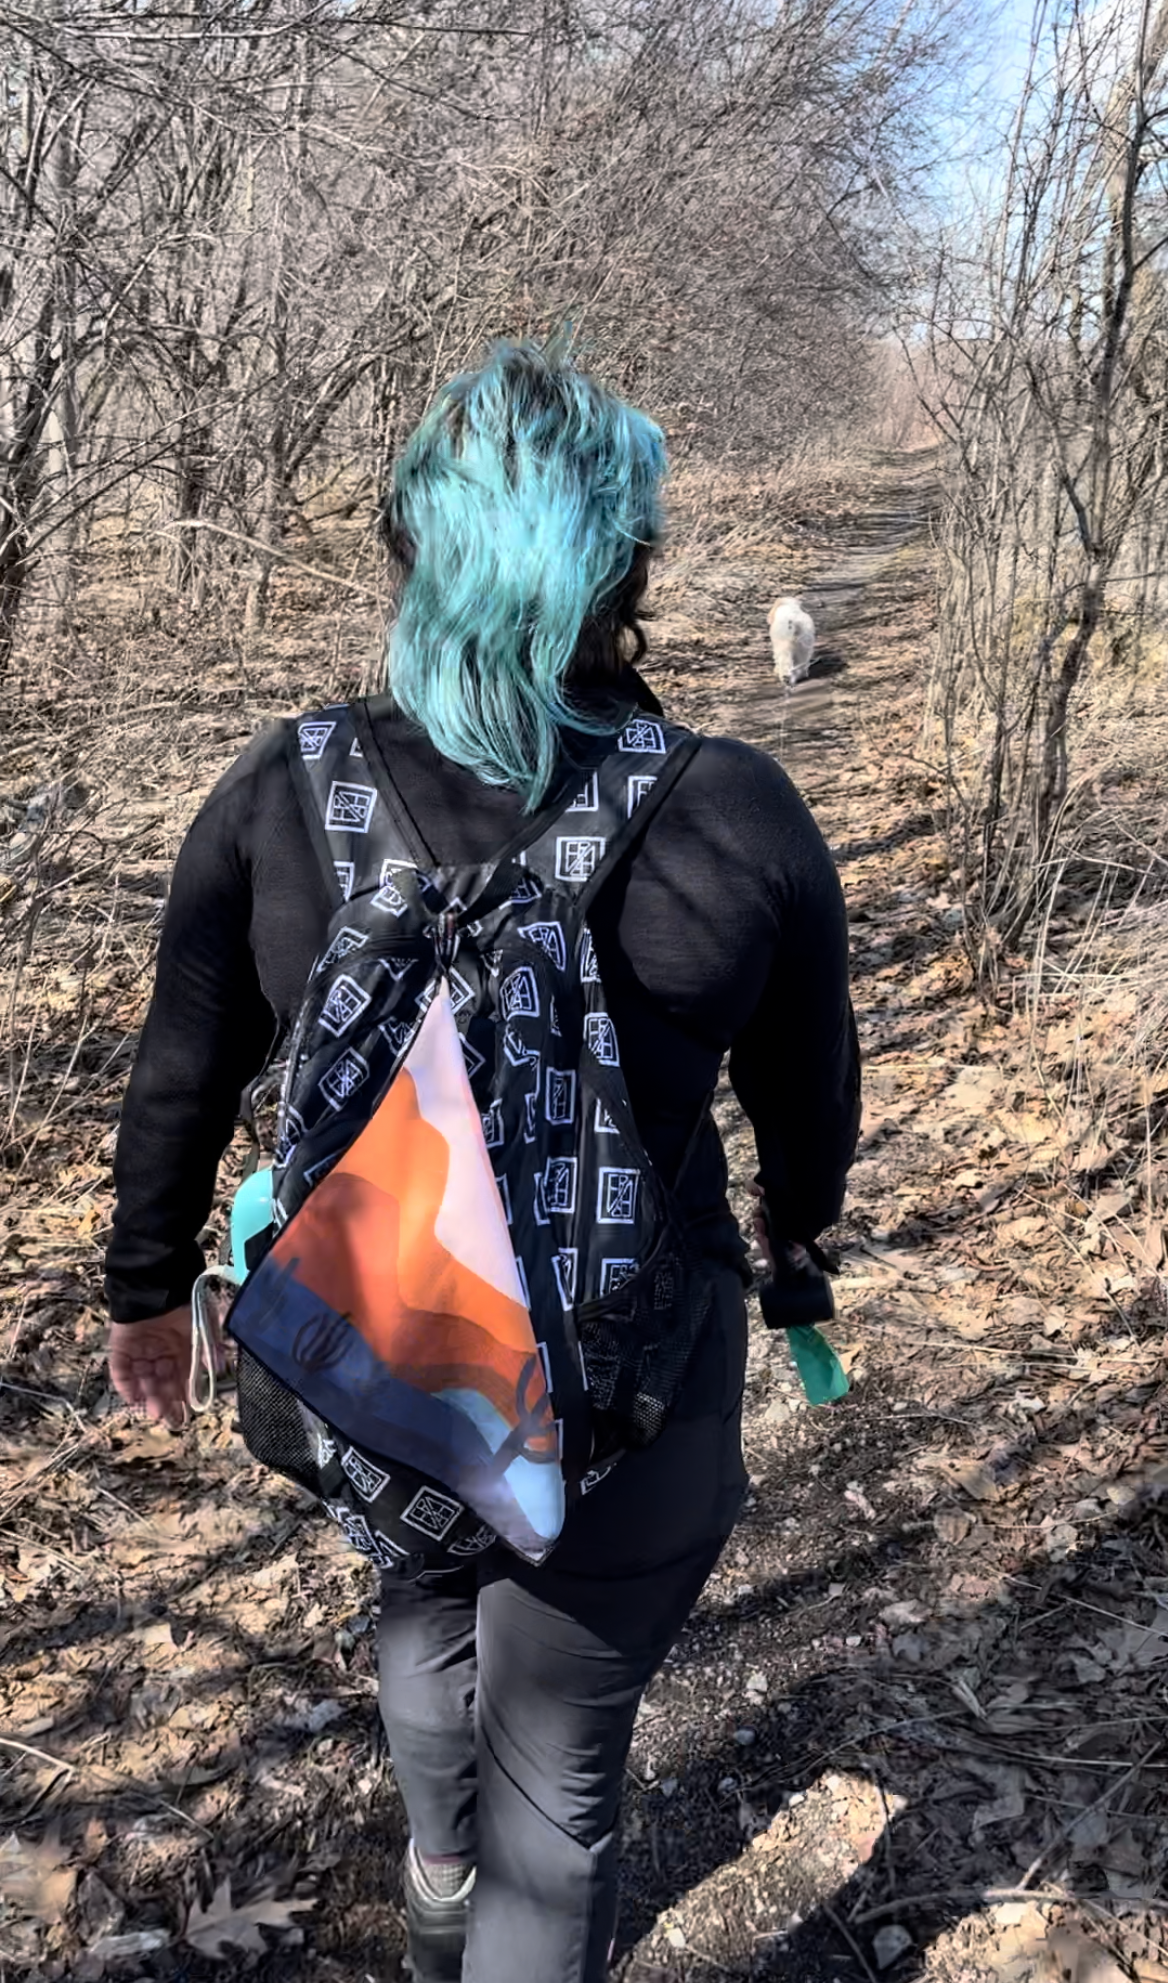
(150, 1364)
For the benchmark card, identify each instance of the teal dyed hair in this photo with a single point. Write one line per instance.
(523, 510)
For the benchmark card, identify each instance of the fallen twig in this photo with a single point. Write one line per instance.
(845, 1934)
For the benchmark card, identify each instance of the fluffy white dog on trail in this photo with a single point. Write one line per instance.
(792, 639)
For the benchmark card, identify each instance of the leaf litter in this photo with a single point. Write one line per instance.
(944, 1616)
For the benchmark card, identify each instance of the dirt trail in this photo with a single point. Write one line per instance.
(807, 725)
(928, 1671)
(891, 1686)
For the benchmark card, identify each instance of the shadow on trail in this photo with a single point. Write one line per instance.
(892, 1718)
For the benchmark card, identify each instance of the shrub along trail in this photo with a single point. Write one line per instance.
(916, 1727)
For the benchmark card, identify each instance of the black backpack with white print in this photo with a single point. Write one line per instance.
(615, 1301)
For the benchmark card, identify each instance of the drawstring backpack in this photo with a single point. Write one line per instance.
(475, 1292)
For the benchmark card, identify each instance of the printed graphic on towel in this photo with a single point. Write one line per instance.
(393, 1304)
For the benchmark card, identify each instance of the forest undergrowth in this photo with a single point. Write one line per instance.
(917, 1724)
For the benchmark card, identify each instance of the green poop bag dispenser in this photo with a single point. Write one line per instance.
(795, 1298)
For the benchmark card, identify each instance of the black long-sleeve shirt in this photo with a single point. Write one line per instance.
(723, 930)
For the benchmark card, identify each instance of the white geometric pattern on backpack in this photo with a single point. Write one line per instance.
(345, 1003)
(614, 1274)
(589, 973)
(389, 896)
(602, 1122)
(644, 736)
(521, 1270)
(346, 875)
(432, 1513)
(519, 994)
(600, 1035)
(530, 1105)
(504, 1190)
(350, 807)
(475, 1543)
(492, 1123)
(587, 798)
(527, 889)
(366, 1478)
(560, 1097)
(616, 1196)
(313, 738)
(460, 992)
(518, 1053)
(636, 788)
(550, 938)
(564, 1264)
(344, 943)
(396, 1032)
(578, 856)
(387, 1554)
(358, 1534)
(471, 1055)
(344, 1077)
(559, 1184)
(291, 1130)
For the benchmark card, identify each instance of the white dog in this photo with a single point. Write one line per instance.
(792, 639)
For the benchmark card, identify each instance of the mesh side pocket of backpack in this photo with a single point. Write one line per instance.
(273, 1425)
(636, 1346)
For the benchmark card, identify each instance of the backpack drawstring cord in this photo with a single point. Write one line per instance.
(445, 933)
(201, 1384)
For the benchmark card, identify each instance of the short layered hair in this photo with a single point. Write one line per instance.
(523, 512)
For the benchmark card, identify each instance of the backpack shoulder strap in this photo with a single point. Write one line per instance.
(611, 806)
(354, 817)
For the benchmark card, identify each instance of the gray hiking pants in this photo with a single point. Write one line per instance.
(509, 1693)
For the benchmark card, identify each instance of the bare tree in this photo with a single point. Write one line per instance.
(1053, 345)
(244, 242)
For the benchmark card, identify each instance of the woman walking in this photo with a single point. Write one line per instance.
(522, 518)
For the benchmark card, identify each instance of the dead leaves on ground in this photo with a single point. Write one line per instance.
(226, 1926)
(38, 1882)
